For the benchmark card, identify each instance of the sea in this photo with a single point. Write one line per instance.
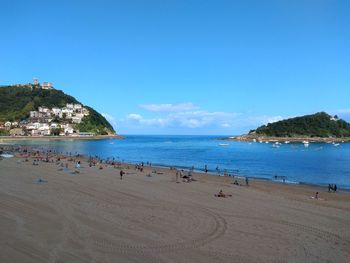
(318, 164)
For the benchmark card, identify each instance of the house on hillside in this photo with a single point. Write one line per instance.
(7, 125)
(43, 109)
(17, 132)
(77, 107)
(34, 114)
(46, 85)
(57, 112)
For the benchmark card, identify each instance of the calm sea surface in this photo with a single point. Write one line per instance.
(320, 163)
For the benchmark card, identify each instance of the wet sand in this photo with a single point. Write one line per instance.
(94, 216)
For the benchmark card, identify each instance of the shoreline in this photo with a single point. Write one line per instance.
(59, 138)
(198, 172)
(257, 138)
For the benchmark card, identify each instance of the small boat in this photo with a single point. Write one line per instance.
(306, 144)
(6, 155)
(287, 142)
(336, 144)
(224, 144)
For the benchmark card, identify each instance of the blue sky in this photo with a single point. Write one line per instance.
(184, 67)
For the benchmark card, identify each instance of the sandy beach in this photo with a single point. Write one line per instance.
(49, 213)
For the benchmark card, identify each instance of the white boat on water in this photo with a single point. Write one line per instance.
(306, 144)
(336, 144)
(6, 155)
(224, 144)
(286, 142)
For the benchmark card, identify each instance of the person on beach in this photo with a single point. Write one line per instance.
(206, 168)
(246, 181)
(221, 194)
(316, 195)
(121, 174)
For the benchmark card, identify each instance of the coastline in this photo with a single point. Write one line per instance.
(198, 169)
(196, 172)
(250, 138)
(59, 138)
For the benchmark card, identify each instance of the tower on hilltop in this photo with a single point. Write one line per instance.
(35, 81)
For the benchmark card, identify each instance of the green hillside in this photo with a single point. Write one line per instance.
(316, 125)
(17, 102)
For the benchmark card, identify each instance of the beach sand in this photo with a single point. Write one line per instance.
(94, 216)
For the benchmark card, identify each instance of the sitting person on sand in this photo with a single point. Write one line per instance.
(316, 195)
(221, 194)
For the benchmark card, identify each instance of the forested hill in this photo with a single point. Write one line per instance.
(316, 125)
(17, 102)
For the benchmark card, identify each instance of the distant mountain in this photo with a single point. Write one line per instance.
(16, 103)
(320, 125)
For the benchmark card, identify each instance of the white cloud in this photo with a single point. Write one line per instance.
(185, 119)
(169, 107)
(188, 118)
(134, 117)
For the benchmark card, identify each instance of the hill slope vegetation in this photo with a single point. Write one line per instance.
(320, 124)
(17, 102)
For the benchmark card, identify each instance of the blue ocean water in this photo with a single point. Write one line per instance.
(320, 163)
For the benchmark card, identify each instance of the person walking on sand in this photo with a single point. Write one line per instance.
(247, 181)
(121, 174)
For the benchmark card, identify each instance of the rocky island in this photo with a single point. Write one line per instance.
(318, 127)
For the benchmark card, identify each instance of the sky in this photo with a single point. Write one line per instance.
(184, 66)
